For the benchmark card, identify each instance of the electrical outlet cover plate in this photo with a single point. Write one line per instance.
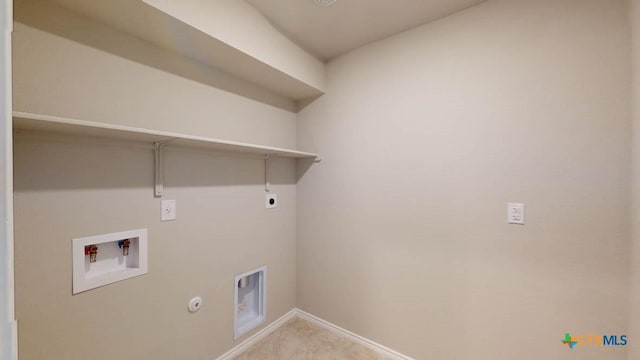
(515, 213)
(168, 210)
(271, 201)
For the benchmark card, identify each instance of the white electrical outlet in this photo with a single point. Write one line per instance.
(271, 201)
(515, 213)
(168, 210)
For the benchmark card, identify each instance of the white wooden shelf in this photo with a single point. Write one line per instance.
(38, 122)
(160, 139)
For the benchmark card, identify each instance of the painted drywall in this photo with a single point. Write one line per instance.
(69, 187)
(7, 324)
(99, 34)
(193, 39)
(426, 136)
(82, 77)
(240, 25)
(634, 299)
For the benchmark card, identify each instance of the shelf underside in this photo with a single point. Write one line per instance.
(37, 122)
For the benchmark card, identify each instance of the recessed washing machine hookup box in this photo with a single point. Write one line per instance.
(104, 259)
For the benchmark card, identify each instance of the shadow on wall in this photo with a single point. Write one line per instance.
(64, 23)
(302, 167)
(302, 104)
(45, 161)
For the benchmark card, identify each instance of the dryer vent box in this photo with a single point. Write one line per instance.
(249, 301)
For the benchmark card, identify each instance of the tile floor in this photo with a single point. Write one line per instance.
(301, 340)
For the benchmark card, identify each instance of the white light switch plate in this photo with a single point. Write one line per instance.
(515, 213)
(168, 210)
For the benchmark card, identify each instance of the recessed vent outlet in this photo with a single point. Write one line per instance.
(249, 300)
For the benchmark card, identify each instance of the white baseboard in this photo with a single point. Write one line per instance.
(253, 339)
(381, 349)
(243, 346)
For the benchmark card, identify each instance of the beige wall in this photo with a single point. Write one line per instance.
(89, 78)
(426, 136)
(240, 25)
(401, 233)
(634, 300)
(69, 187)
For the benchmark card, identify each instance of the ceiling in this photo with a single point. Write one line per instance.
(327, 32)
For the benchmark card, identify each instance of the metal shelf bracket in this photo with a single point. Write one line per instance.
(267, 177)
(158, 155)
